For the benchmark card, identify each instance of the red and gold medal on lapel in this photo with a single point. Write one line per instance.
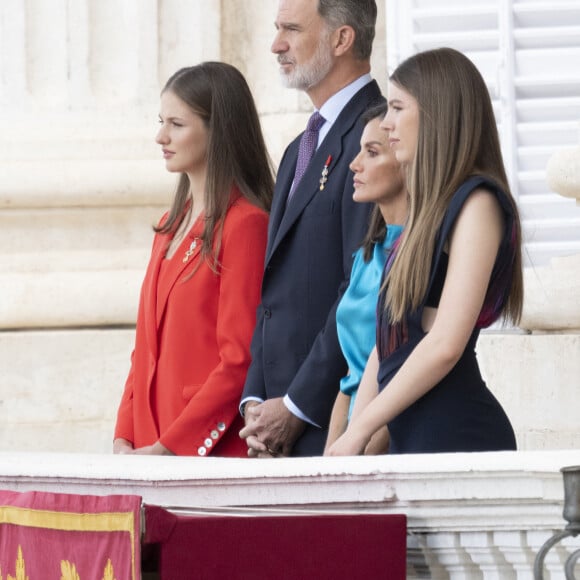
(324, 174)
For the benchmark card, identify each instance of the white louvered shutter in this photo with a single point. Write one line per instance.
(529, 53)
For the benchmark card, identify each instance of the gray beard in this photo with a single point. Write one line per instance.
(310, 74)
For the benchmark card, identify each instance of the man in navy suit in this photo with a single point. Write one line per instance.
(323, 48)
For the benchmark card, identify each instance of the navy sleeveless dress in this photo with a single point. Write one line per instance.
(459, 413)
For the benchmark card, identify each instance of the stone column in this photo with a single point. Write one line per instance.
(81, 179)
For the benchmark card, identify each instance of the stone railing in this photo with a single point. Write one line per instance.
(469, 516)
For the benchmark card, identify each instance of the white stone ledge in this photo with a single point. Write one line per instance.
(469, 516)
(81, 183)
(452, 492)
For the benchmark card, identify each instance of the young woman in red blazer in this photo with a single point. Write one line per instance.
(198, 301)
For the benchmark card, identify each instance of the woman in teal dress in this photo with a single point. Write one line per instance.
(378, 179)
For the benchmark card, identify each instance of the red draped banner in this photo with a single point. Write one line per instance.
(46, 536)
(278, 547)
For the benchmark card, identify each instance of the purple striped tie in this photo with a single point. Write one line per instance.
(306, 149)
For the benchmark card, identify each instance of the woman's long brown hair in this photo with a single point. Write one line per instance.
(237, 156)
(457, 138)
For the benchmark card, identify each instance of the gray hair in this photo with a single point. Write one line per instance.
(361, 15)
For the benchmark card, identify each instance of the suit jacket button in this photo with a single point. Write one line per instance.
(208, 442)
(214, 434)
(267, 313)
(201, 451)
(221, 426)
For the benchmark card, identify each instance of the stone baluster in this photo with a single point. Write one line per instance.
(483, 554)
(486, 555)
(446, 550)
(556, 557)
(516, 550)
(421, 561)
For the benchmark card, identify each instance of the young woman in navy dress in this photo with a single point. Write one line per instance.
(457, 268)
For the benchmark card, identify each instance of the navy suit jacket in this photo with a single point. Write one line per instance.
(295, 348)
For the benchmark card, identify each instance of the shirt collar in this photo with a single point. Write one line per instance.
(335, 104)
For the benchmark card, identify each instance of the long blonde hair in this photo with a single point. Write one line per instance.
(457, 138)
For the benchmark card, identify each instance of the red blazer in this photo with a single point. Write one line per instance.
(192, 341)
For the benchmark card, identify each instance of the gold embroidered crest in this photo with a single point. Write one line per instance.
(108, 573)
(68, 571)
(20, 568)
